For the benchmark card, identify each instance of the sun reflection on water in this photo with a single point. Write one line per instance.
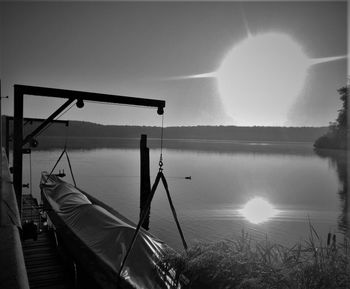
(258, 210)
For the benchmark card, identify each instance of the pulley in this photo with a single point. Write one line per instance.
(80, 103)
(33, 143)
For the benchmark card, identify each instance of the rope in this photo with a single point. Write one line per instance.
(30, 173)
(141, 221)
(70, 168)
(173, 211)
(145, 211)
(66, 136)
(161, 145)
(64, 150)
(69, 163)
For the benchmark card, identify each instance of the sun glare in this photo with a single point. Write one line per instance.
(260, 78)
(258, 211)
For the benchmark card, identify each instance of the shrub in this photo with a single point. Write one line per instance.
(244, 264)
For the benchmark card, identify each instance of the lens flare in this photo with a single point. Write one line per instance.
(260, 78)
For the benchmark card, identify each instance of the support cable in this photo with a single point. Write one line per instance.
(142, 219)
(70, 168)
(174, 211)
(161, 145)
(160, 176)
(68, 160)
(66, 136)
(145, 211)
(30, 173)
(64, 150)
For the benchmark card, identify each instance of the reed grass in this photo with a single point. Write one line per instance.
(246, 264)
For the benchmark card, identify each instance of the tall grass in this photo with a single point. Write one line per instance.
(246, 264)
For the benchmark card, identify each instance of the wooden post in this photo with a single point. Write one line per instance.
(0, 130)
(1, 193)
(17, 146)
(145, 181)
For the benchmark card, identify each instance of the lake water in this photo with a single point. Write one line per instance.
(299, 184)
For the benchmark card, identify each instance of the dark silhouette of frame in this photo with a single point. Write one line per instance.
(71, 96)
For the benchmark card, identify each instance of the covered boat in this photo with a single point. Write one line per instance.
(98, 238)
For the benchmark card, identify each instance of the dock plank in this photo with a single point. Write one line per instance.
(44, 267)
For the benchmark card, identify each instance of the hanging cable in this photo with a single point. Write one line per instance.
(69, 164)
(30, 173)
(68, 160)
(70, 168)
(141, 221)
(64, 150)
(161, 145)
(165, 184)
(66, 136)
(145, 211)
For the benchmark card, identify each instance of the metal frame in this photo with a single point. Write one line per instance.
(28, 119)
(70, 95)
(29, 137)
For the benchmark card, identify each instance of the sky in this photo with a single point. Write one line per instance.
(214, 63)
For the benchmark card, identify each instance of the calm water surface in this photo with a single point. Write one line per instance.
(296, 182)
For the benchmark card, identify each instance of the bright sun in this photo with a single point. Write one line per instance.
(258, 211)
(261, 77)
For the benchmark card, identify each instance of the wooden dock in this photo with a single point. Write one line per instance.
(44, 266)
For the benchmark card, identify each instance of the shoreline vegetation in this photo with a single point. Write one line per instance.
(80, 135)
(243, 263)
(200, 145)
(336, 136)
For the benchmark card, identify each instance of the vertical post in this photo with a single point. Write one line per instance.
(1, 194)
(145, 182)
(0, 129)
(17, 146)
(7, 137)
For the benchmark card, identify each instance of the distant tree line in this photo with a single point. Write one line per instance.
(83, 130)
(336, 136)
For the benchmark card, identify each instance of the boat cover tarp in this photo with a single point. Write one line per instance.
(106, 235)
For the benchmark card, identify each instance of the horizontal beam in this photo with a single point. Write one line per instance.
(92, 96)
